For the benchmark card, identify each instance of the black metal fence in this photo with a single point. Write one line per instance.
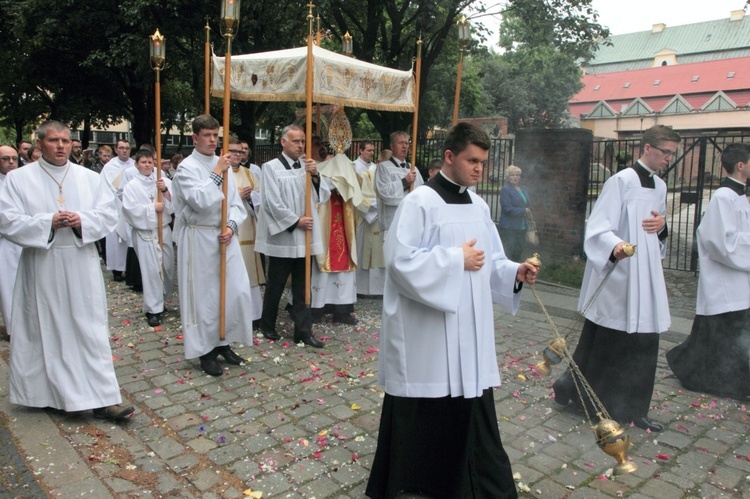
(691, 179)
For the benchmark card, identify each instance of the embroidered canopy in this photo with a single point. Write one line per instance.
(338, 79)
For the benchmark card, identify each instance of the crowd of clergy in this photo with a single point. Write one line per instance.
(429, 248)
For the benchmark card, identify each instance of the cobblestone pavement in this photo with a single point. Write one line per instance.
(299, 422)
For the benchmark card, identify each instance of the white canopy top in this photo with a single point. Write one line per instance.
(338, 79)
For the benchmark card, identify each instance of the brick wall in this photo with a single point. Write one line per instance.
(555, 166)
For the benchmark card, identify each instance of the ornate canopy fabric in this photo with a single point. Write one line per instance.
(338, 79)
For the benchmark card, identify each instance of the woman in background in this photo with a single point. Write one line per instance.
(514, 201)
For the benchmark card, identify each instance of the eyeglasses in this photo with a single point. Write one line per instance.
(9, 158)
(666, 152)
(235, 151)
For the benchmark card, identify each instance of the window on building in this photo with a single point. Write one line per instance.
(695, 78)
(656, 83)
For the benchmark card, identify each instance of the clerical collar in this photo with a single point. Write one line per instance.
(734, 184)
(649, 170)
(449, 191)
(289, 160)
(461, 188)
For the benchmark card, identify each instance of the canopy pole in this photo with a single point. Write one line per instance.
(207, 69)
(415, 122)
(308, 149)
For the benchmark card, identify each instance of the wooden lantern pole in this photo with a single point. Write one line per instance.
(308, 150)
(230, 21)
(415, 122)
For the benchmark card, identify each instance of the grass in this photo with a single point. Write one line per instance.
(566, 274)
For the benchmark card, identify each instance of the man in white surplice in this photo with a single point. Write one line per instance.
(394, 179)
(445, 266)
(140, 209)
(9, 252)
(370, 263)
(281, 232)
(624, 300)
(117, 247)
(197, 201)
(59, 351)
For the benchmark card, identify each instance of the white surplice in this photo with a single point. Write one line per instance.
(370, 263)
(59, 352)
(247, 231)
(117, 247)
(438, 335)
(197, 204)
(390, 190)
(9, 254)
(724, 249)
(283, 203)
(157, 263)
(626, 302)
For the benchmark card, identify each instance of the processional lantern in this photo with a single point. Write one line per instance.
(348, 45)
(464, 37)
(157, 52)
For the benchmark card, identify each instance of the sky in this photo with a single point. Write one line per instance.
(630, 16)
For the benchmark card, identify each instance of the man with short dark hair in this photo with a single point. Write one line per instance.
(245, 158)
(281, 233)
(23, 152)
(76, 151)
(394, 180)
(60, 355)
(370, 264)
(197, 199)
(438, 432)
(624, 300)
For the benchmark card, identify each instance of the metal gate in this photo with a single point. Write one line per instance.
(691, 179)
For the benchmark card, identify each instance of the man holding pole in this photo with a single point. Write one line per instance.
(197, 202)
(394, 179)
(281, 233)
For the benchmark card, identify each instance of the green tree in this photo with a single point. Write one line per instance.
(545, 42)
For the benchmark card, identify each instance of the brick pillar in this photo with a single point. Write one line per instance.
(555, 166)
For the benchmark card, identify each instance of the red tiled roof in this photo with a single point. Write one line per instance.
(676, 79)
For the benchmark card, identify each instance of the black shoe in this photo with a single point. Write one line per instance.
(345, 319)
(311, 341)
(229, 355)
(563, 388)
(210, 364)
(646, 423)
(153, 319)
(114, 412)
(117, 276)
(271, 335)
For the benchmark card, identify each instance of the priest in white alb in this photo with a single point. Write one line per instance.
(59, 352)
(445, 267)
(197, 199)
(117, 246)
(140, 209)
(370, 262)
